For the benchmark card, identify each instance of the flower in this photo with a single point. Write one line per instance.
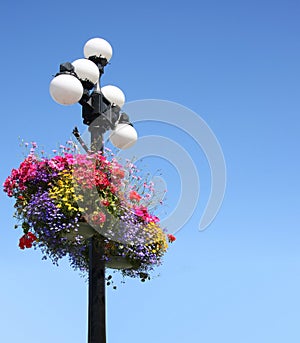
(134, 196)
(55, 197)
(142, 212)
(105, 202)
(171, 238)
(118, 172)
(27, 240)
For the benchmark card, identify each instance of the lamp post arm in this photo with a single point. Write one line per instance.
(80, 140)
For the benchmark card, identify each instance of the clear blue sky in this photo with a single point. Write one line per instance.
(236, 64)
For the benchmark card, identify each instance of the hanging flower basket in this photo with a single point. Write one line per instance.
(86, 231)
(64, 200)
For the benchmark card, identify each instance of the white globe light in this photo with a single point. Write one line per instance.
(114, 95)
(66, 89)
(97, 47)
(124, 136)
(86, 70)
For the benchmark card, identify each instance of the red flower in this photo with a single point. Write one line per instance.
(133, 195)
(27, 240)
(98, 218)
(171, 238)
(105, 202)
(101, 179)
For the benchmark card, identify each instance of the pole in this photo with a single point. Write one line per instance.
(97, 308)
(97, 313)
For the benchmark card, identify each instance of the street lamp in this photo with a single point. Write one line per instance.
(79, 81)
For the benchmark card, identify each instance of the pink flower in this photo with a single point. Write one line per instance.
(117, 172)
(142, 212)
(57, 162)
(69, 158)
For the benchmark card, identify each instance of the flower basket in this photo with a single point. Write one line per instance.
(113, 262)
(63, 201)
(84, 229)
(121, 263)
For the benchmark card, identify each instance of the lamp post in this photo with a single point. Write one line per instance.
(79, 81)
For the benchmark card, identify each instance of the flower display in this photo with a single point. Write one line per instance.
(56, 197)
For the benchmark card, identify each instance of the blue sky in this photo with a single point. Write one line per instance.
(234, 63)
